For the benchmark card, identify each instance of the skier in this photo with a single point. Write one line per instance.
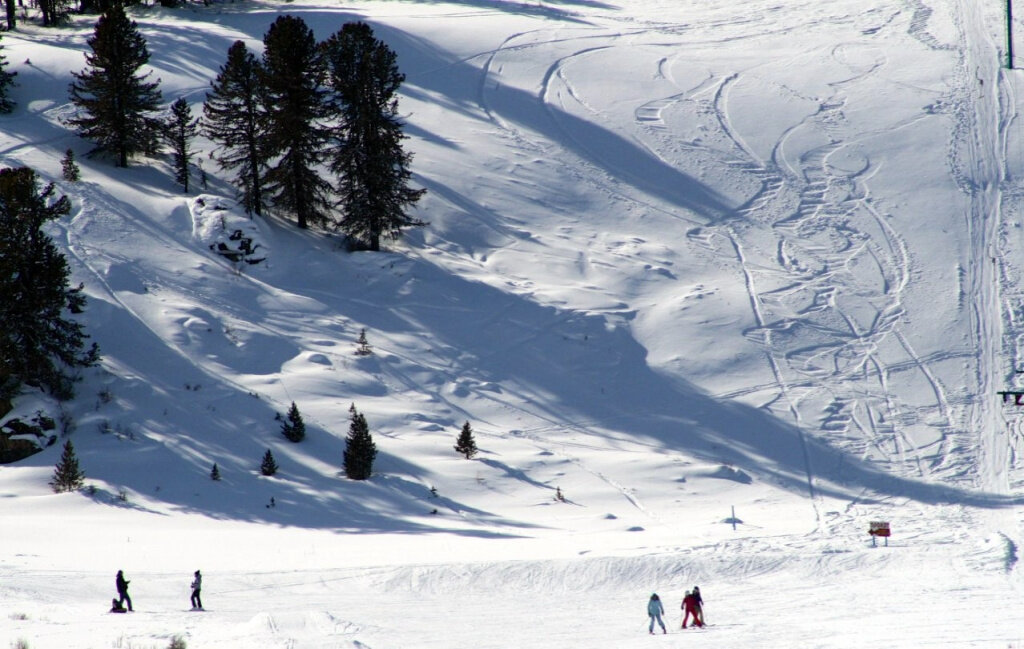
(700, 604)
(122, 590)
(689, 607)
(197, 585)
(655, 610)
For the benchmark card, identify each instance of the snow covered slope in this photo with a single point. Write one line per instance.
(736, 278)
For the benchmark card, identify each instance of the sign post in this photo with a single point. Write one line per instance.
(879, 528)
(1009, 34)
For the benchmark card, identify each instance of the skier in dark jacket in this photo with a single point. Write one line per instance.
(700, 603)
(655, 610)
(122, 590)
(690, 608)
(197, 585)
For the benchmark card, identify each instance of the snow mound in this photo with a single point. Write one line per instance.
(234, 236)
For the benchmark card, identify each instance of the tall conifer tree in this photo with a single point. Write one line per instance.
(179, 132)
(360, 451)
(233, 118)
(366, 152)
(6, 83)
(38, 343)
(294, 99)
(69, 168)
(115, 102)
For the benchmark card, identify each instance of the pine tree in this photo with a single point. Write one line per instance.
(366, 148)
(294, 428)
(363, 345)
(6, 83)
(465, 444)
(233, 118)
(360, 451)
(67, 476)
(180, 130)
(113, 100)
(69, 168)
(294, 100)
(268, 467)
(215, 473)
(54, 12)
(38, 343)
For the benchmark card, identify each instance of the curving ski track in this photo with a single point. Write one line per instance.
(815, 249)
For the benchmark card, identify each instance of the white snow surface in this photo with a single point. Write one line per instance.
(738, 278)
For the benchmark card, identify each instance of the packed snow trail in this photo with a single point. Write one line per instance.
(982, 147)
(985, 143)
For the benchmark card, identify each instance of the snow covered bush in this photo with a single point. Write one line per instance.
(228, 233)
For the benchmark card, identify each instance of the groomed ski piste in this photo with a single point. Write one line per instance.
(738, 279)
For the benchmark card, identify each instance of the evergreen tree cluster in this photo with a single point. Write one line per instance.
(310, 129)
(39, 343)
(55, 12)
(278, 120)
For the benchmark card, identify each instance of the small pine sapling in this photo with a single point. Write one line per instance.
(465, 444)
(293, 428)
(269, 466)
(363, 348)
(215, 473)
(69, 168)
(67, 475)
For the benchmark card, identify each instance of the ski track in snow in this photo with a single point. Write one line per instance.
(817, 251)
(789, 239)
(988, 109)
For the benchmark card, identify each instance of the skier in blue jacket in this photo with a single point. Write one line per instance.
(655, 610)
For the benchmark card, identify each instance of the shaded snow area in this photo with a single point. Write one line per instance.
(717, 285)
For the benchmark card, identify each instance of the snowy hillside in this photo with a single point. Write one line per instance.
(735, 278)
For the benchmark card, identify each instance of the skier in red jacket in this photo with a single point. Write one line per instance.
(691, 607)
